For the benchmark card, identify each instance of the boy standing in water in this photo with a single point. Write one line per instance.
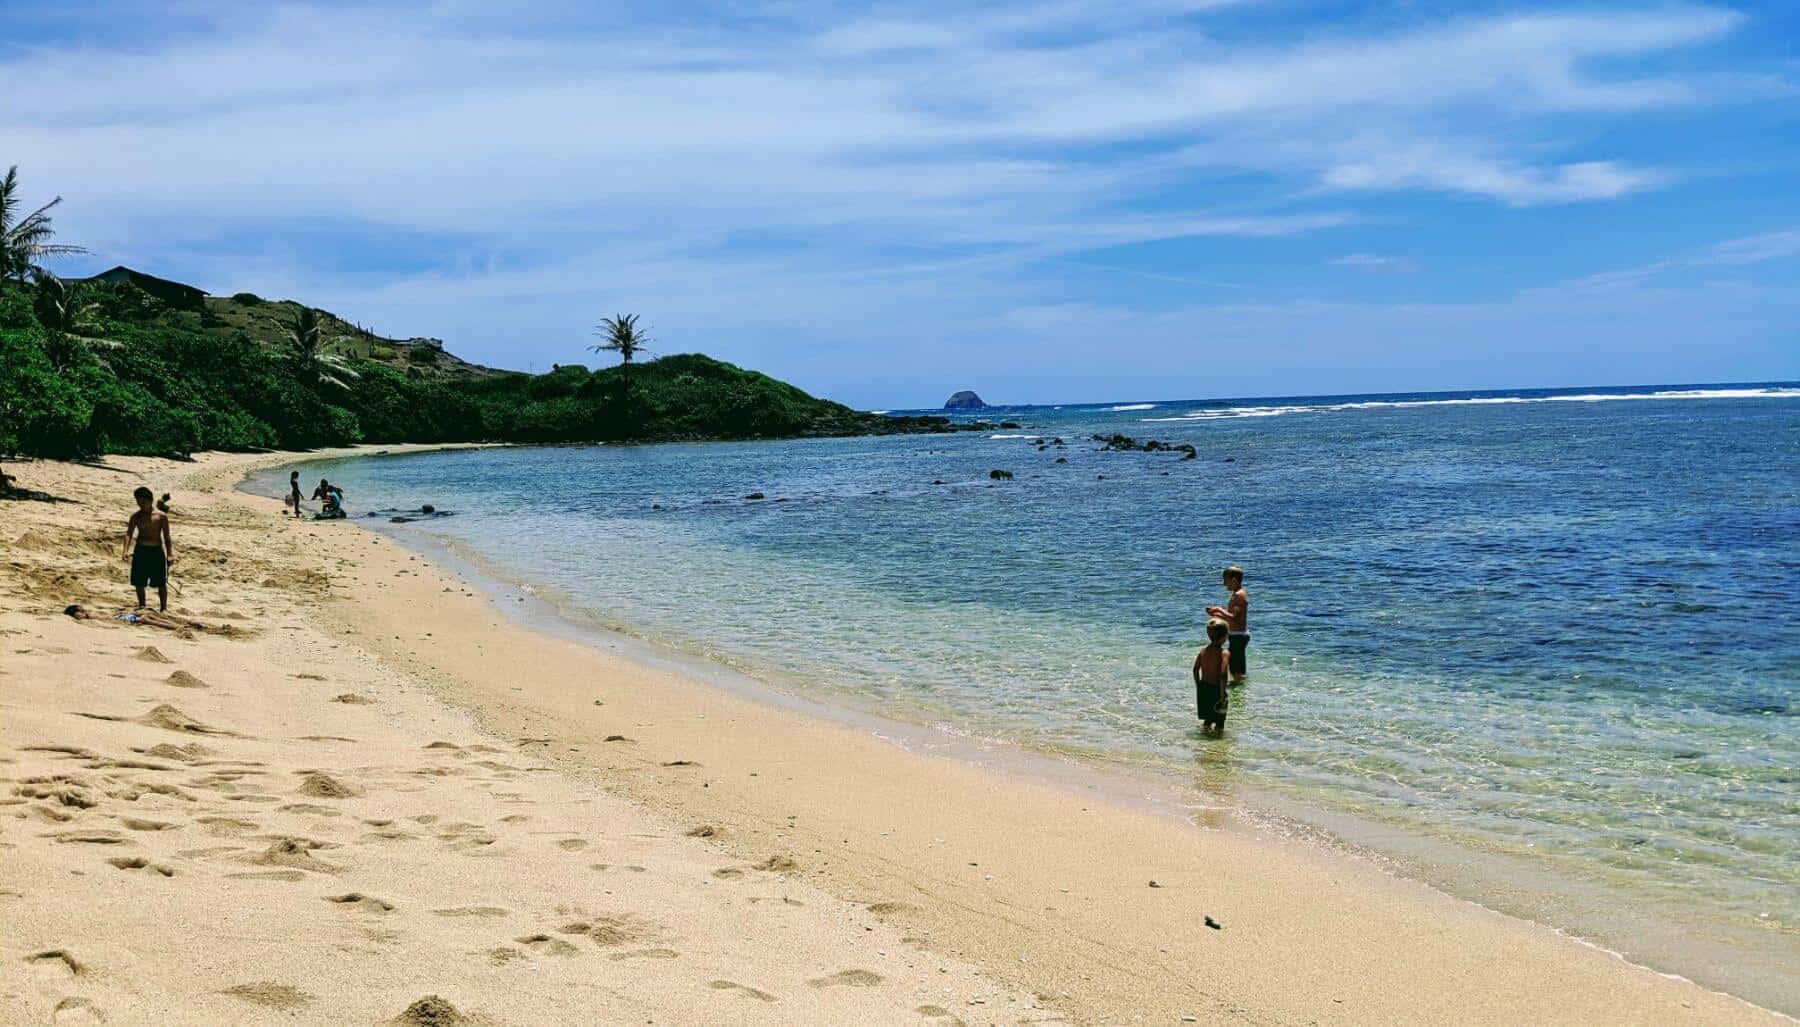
(1210, 701)
(1236, 615)
(155, 550)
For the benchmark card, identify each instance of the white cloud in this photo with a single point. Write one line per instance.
(1375, 262)
(796, 173)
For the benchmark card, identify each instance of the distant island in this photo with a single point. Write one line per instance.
(127, 362)
(964, 400)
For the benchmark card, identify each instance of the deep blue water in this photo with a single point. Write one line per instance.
(1552, 625)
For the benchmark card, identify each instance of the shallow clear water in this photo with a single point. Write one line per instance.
(1551, 625)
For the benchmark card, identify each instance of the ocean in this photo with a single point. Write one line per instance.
(1537, 647)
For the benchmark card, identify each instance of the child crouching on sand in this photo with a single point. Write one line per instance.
(1209, 679)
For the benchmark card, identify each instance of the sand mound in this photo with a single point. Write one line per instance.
(151, 654)
(296, 854)
(324, 786)
(182, 679)
(268, 993)
(430, 1011)
(185, 753)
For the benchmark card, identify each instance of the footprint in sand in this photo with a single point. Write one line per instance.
(268, 993)
(572, 844)
(55, 964)
(939, 1013)
(139, 824)
(76, 1011)
(544, 945)
(728, 873)
(88, 838)
(646, 954)
(352, 699)
(311, 809)
(742, 989)
(891, 908)
(366, 903)
(848, 979)
(483, 911)
(778, 865)
(74, 792)
(703, 831)
(140, 863)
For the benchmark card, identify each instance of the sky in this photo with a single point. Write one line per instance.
(1050, 201)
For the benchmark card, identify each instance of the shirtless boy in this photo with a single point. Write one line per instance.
(1236, 615)
(1210, 702)
(155, 550)
(293, 499)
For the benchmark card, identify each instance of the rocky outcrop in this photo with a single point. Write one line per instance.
(964, 400)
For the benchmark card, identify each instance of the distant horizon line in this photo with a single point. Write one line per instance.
(1501, 391)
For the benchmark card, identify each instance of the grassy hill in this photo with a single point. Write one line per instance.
(166, 370)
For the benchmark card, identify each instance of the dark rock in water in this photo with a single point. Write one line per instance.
(401, 520)
(428, 508)
(1231, 459)
(964, 400)
(1062, 459)
(1009, 424)
(754, 495)
(999, 475)
(371, 513)
(656, 506)
(1058, 441)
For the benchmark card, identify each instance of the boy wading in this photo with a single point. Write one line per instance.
(1236, 615)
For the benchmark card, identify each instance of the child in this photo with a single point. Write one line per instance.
(1236, 615)
(1209, 679)
(155, 549)
(293, 498)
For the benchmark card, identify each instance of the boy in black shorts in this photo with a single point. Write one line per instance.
(1209, 679)
(155, 550)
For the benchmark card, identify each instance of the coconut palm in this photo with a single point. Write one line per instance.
(68, 319)
(25, 241)
(620, 334)
(306, 338)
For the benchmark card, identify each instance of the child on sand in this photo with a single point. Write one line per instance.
(1236, 615)
(155, 549)
(293, 499)
(1210, 701)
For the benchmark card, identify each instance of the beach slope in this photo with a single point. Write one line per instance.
(342, 786)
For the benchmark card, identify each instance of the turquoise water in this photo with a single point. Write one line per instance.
(1553, 628)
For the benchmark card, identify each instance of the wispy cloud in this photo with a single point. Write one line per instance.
(862, 172)
(1375, 262)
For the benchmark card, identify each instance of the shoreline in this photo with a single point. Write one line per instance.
(1034, 899)
(1492, 881)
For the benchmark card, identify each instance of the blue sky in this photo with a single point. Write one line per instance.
(1053, 201)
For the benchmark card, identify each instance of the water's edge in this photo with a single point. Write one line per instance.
(1495, 881)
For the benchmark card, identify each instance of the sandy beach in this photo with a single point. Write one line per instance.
(344, 786)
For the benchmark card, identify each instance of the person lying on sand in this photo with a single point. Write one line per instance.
(155, 551)
(1210, 701)
(1236, 614)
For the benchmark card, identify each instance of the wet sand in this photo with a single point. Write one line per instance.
(356, 783)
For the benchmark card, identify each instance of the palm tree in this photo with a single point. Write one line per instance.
(306, 337)
(68, 319)
(25, 242)
(620, 334)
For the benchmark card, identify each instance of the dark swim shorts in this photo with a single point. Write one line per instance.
(1240, 653)
(149, 567)
(1210, 704)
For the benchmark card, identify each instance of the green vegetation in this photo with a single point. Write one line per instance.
(129, 363)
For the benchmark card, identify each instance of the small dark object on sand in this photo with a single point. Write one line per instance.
(77, 612)
(1214, 924)
(1153, 884)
